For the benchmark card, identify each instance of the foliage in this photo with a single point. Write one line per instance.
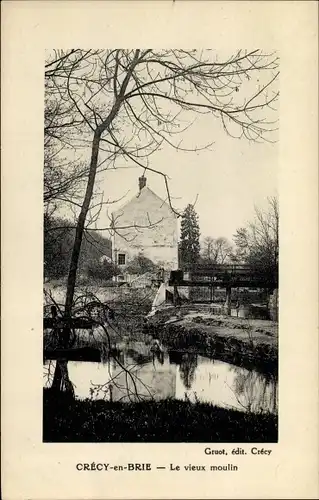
(189, 246)
(104, 270)
(58, 241)
(140, 265)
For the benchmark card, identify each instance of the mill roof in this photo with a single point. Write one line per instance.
(141, 194)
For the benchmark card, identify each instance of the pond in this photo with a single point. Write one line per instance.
(137, 373)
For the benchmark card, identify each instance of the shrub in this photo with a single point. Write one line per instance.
(102, 270)
(141, 265)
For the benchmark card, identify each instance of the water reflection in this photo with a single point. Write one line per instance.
(187, 369)
(143, 375)
(255, 391)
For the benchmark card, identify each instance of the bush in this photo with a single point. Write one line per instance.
(102, 270)
(141, 265)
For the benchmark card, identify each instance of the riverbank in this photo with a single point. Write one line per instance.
(250, 343)
(67, 420)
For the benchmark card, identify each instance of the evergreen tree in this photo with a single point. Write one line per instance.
(189, 246)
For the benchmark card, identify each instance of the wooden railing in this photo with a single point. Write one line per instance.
(235, 275)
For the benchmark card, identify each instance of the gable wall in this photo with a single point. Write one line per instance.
(158, 243)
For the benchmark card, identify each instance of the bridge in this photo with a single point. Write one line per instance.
(225, 276)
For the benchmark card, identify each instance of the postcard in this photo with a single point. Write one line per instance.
(160, 244)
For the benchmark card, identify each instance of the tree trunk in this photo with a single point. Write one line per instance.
(80, 229)
(65, 341)
(85, 208)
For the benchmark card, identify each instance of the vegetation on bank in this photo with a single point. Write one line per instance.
(128, 307)
(58, 241)
(67, 420)
(238, 341)
(251, 344)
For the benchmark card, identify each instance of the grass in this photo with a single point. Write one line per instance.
(67, 420)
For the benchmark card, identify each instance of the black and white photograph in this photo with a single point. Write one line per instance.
(159, 249)
(161, 245)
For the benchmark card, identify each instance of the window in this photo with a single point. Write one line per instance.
(121, 259)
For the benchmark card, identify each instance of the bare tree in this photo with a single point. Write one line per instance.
(63, 176)
(258, 243)
(216, 250)
(88, 307)
(129, 103)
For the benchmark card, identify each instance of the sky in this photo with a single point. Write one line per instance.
(226, 181)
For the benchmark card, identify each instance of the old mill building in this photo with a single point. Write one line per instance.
(148, 226)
